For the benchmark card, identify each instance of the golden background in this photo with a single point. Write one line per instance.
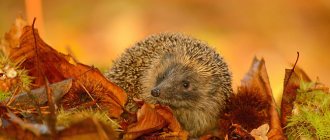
(97, 31)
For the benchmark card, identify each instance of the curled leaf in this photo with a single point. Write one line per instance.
(260, 133)
(148, 120)
(152, 118)
(42, 60)
(292, 82)
(59, 90)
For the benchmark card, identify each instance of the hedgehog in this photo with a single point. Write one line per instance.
(178, 71)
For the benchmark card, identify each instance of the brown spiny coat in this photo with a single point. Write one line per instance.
(179, 71)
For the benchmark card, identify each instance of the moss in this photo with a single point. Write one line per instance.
(311, 114)
(4, 95)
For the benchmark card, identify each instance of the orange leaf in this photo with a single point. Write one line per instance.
(151, 118)
(167, 114)
(148, 120)
(42, 60)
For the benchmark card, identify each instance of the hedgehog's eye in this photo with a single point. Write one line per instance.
(185, 84)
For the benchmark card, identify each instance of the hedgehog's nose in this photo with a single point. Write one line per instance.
(155, 92)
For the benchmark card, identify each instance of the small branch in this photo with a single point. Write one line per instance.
(37, 59)
(13, 96)
(291, 72)
(52, 116)
(22, 124)
(70, 52)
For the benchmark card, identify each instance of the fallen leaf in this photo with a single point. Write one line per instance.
(36, 129)
(174, 125)
(59, 89)
(167, 114)
(12, 38)
(260, 133)
(148, 120)
(152, 118)
(14, 131)
(42, 60)
(87, 129)
(258, 77)
(292, 81)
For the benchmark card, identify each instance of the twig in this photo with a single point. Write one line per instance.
(19, 111)
(36, 104)
(37, 60)
(22, 124)
(52, 116)
(13, 96)
(70, 52)
(291, 72)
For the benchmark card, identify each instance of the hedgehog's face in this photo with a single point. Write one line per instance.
(178, 85)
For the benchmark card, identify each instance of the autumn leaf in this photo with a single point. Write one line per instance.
(258, 77)
(87, 129)
(167, 114)
(59, 89)
(260, 133)
(292, 80)
(11, 38)
(151, 118)
(148, 120)
(43, 61)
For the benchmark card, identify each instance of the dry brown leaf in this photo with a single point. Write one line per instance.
(148, 120)
(59, 89)
(42, 60)
(174, 125)
(11, 38)
(84, 130)
(151, 118)
(15, 131)
(87, 129)
(260, 133)
(258, 77)
(167, 114)
(291, 84)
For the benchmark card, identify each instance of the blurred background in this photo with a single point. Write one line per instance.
(98, 31)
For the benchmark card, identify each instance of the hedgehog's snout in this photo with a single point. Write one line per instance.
(155, 92)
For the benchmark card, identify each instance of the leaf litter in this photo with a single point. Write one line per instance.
(47, 96)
